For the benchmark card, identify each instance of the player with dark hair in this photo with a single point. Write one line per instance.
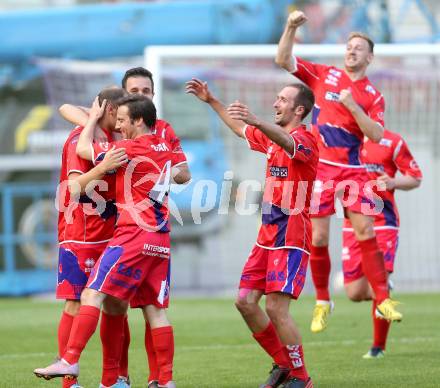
(347, 108)
(83, 231)
(277, 265)
(138, 254)
(138, 80)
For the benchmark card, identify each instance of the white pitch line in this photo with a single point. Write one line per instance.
(404, 340)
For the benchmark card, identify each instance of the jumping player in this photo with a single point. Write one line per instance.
(347, 108)
(382, 160)
(277, 264)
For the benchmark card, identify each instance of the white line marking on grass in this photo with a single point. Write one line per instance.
(405, 340)
(313, 343)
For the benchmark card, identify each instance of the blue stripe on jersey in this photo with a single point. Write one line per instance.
(110, 256)
(274, 215)
(294, 258)
(160, 218)
(389, 214)
(337, 137)
(315, 113)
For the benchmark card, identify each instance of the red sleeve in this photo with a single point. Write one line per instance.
(377, 110)
(101, 148)
(73, 162)
(167, 132)
(304, 147)
(405, 162)
(256, 139)
(308, 72)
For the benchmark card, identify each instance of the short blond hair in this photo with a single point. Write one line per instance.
(362, 35)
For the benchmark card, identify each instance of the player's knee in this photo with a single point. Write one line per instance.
(114, 306)
(71, 307)
(364, 231)
(244, 306)
(276, 312)
(320, 238)
(356, 295)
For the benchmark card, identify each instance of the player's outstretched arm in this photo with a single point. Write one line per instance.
(284, 54)
(77, 115)
(181, 174)
(113, 159)
(200, 89)
(84, 148)
(274, 132)
(372, 129)
(400, 182)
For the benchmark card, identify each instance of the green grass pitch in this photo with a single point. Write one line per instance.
(215, 349)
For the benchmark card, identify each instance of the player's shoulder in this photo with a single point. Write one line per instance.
(73, 136)
(391, 138)
(305, 133)
(371, 90)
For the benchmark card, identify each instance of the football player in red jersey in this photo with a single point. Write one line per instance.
(83, 231)
(347, 108)
(277, 264)
(138, 253)
(137, 80)
(383, 160)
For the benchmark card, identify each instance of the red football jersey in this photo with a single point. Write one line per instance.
(91, 219)
(142, 185)
(388, 156)
(166, 131)
(339, 137)
(288, 188)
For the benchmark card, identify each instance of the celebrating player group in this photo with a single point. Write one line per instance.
(114, 234)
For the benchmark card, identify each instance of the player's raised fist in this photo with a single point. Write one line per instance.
(296, 19)
(346, 98)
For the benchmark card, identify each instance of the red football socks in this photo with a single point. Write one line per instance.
(84, 325)
(380, 329)
(373, 266)
(320, 266)
(151, 354)
(163, 342)
(64, 328)
(270, 342)
(297, 366)
(123, 363)
(112, 331)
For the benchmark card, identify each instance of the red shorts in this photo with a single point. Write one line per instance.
(275, 270)
(134, 259)
(145, 296)
(350, 185)
(75, 263)
(387, 239)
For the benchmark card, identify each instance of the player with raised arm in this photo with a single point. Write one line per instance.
(83, 231)
(277, 264)
(347, 108)
(137, 80)
(137, 255)
(383, 160)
